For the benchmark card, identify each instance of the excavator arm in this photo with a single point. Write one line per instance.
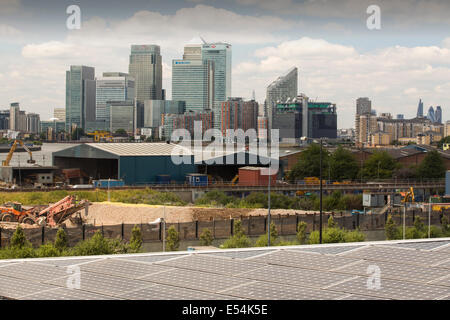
(11, 152)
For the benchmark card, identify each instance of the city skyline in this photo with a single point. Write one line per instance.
(338, 58)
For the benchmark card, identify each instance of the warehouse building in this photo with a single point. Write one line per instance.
(135, 163)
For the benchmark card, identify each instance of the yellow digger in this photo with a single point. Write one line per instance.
(5, 163)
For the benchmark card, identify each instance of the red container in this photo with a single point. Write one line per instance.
(251, 176)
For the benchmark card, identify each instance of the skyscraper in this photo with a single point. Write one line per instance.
(80, 96)
(431, 116)
(363, 106)
(281, 89)
(220, 53)
(146, 69)
(14, 111)
(438, 114)
(114, 86)
(420, 109)
(193, 82)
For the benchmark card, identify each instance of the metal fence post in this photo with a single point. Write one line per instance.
(43, 235)
(214, 228)
(231, 226)
(83, 228)
(196, 229)
(0, 237)
(123, 230)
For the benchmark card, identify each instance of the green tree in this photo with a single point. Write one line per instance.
(301, 233)
(263, 240)
(121, 132)
(173, 239)
(18, 239)
(308, 164)
(97, 245)
(442, 141)
(390, 229)
(206, 237)
(381, 164)
(343, 165)
(135, 243)
(331, 222)
(432, 166)
(61, 240)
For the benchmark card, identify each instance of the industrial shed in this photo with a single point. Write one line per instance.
(135, 163)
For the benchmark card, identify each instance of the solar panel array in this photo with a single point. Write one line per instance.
(385, 270)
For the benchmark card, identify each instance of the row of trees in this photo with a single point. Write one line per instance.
(342, 165)
(418, 231)
(20, 247)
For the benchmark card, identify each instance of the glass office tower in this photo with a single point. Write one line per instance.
(80, 96)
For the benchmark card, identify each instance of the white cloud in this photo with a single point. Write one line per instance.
(393, 77)
(8, 31)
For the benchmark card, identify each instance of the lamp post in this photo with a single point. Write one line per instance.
(321, 191)
(321, 187)
(268, 208)
(429, 218)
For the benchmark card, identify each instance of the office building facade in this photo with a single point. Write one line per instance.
(80, 96)
(278, 91)
(112, 87)
(193, 82)
(33, 123)
(122, 116)
(146, 69)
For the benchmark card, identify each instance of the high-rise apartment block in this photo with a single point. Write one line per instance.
(235, 113)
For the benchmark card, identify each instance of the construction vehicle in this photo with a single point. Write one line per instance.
(14, 212)
(99, 135)
(235, 179)
(6, 162)
(408, 196)
(53, 215)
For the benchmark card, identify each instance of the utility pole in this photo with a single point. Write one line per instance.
(321, 190)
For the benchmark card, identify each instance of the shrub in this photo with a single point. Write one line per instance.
(48, 250)
(97, 245)
(18, 240)
(354, 236)
(301, 233)
(206, 237)
(173, 240)
(136, 240)
(390, 229)
(61, 240)
(238, 239)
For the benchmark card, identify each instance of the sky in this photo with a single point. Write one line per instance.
(339, 58)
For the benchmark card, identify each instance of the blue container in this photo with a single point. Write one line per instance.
(163, 179)
(197, 180)
(103, 183)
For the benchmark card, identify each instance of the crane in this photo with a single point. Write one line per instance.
(5, 163)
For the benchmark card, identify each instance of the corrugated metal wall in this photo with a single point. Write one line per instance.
(143, 170)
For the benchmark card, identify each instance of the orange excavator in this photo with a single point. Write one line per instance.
(53, 215)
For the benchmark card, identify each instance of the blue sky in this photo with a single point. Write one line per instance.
(338, 57)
